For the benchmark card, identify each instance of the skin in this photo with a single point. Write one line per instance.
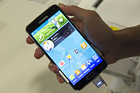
(114, 45)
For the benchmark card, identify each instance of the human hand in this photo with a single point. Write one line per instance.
(94, 28)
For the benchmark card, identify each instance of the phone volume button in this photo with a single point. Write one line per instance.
(97, 50)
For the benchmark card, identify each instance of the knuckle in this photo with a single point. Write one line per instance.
(92, 16)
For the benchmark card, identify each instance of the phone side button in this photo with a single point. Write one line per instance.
(62, 75)
(90, 76)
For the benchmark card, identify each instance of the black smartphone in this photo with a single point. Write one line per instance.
(62, 42)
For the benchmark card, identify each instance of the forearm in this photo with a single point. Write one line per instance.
(129, 42)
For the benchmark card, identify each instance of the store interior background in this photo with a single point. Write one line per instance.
(20, 72)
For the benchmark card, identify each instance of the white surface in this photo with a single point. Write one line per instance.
(123, 12)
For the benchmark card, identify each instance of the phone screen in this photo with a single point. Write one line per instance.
(66, 47)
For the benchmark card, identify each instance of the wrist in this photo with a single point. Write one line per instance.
(114, 53)
(127, 42)
(118, 50)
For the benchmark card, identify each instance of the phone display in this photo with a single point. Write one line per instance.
(67, 48)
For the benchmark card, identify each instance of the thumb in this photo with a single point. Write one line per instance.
(74, 11)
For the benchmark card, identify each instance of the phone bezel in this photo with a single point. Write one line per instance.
(37, 22)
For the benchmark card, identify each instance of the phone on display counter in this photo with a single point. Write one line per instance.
(78, 61)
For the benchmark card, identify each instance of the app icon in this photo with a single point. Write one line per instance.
(76, 51)
(61, 19)
(40, 37)
(56, 23)
(61, 63)
(69, 57)
(83, 67)
(71, 77)
(89, 62)
(48, 45)
(95, 57)
(98, 60)
(77, 72)
(83, 45)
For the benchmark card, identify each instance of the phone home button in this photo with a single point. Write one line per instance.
(90, 76)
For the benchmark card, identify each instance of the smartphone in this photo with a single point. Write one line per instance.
(62, 42)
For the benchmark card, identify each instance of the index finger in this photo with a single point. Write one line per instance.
(74, 11)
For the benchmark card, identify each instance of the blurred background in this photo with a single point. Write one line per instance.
(20, 72)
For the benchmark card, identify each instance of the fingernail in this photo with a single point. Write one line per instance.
(51, 69)
(61, 5)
